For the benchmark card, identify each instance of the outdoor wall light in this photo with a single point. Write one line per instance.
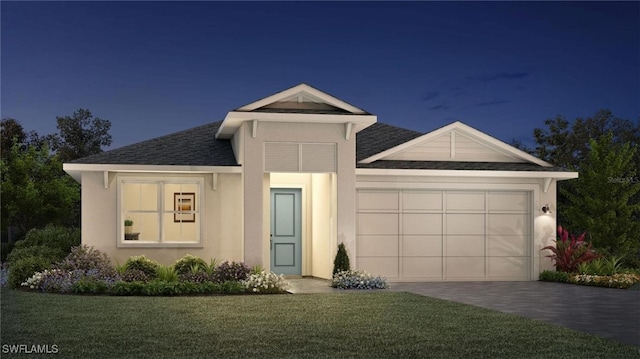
(546, 209)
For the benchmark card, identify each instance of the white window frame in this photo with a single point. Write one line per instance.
(160, 181)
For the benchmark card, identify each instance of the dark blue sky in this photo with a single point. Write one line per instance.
(153, 68)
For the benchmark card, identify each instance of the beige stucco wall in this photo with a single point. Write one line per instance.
(222, 219)
(257, 183)
(543, 224)
(323, 239)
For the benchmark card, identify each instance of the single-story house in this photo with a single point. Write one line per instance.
(282, 181)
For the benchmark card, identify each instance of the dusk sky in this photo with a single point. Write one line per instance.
(154, 68)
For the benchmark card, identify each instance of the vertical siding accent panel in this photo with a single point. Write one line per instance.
(318, 157)
(281, 157)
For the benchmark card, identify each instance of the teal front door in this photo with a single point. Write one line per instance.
(286, 231)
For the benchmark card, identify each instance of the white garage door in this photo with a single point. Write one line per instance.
(444, 235)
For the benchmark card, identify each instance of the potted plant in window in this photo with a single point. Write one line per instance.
(128, 226)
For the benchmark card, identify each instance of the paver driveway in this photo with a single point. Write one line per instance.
(605, 312)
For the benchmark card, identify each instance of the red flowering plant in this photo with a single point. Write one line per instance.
(570, 251)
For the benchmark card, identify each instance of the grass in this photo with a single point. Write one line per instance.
(365, 325)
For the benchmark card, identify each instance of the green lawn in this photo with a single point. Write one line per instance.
(364, 325)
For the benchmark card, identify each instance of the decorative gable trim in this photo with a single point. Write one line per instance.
(448, 140)
(303, 93)
(299, 104)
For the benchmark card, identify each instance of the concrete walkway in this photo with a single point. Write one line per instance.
(605, 312)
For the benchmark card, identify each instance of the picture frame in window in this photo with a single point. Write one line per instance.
(184, 206)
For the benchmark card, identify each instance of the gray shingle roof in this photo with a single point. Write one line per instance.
(194, 147)
(381, 137)
(199, 147)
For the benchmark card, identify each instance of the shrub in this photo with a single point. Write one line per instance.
(196, 276)
(601, 266)
(51, 255)
(160, 287)
(23, 268)
(256, 269)
(357, 279)
(231, 287)
(141, 263)
(86, 258)
(184, 264)
(554, 276)
(231, 271)
(55, 281)
(128, 288)
(62, 238)
(66, 281)
(620, 280)
(570, 251)
(134, 275)
(341, 262)
(266, 282)
(88, 285)
(211, 267)
(167, 274)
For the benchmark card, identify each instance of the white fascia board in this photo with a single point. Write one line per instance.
(464, 129)
(313, 92)
(465, 173)
(234, 120)
(75, 169)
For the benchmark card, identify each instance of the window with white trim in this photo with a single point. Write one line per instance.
(164, 211)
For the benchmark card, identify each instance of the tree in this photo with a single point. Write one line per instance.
(35, 191)
(566, 144)
(601, 200)
(80, 135)
(12, 131)
(341, 261)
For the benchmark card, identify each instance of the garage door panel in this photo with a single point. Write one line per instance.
(509, 201)
(412, 201)
(465, 201)
(465, 246)
(377, 223)
(465, 224)
(508, 224)
(371, 246)
(422, 267)
(378, 200)
(465, 267)
(473, 235)
(421, 223)
(507, 245)
(508, 267)
(417, 246)
(383, 266)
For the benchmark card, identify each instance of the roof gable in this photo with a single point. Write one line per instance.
(456, 142)
(301, 103)
(302, 97)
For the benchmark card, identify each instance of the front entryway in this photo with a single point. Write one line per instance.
(286, 231)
